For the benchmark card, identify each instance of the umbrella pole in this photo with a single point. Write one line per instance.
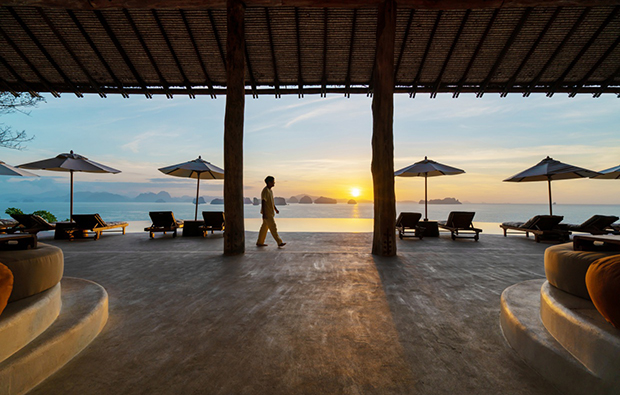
(550, 200)
(71, 199)
(425, 197)
(197, 189)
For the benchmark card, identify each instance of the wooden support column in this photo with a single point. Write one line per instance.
(234, 237)
(384, 237)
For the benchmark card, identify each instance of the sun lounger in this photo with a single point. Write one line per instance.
(94, 223)
(214, 220)
(409, 222)
(163, 221)
(460, 221)
(29, 223)
(541, 226)
(596, 225)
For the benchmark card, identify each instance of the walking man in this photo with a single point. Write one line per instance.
(269, 211)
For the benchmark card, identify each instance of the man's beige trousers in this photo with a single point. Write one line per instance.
(268, 223)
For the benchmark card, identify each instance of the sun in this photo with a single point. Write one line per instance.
(355, 192)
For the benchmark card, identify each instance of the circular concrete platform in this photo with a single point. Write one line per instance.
(84, 313)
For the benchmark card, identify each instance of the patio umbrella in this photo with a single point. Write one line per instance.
(8, 170)
(198, 169)
(612, 173)
(70, 162)
(548, 170)
(427, 168)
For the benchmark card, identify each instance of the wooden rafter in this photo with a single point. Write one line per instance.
(20, 80)
(217, 37)
(403, 44)
(252, 80)
(276, 79)
(201, 62)
(67, 47)
(583, 50)
(474, 56)
(324, 75)
(45, 53)
(450, 52)
(502, 55)
(416, 80)
(347, 80)
(34, 69)
(558, 49)
(529, 54)
(100, 56)
(300, 78)
(606, 83)
(176, 59)
(123, 54)
(148, 53)
(221, 4)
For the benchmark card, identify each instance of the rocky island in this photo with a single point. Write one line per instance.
(305, 200)
(351, 201)
(325, 200)
(447, 200)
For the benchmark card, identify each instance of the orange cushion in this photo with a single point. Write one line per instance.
(6, 286)
(603, 283)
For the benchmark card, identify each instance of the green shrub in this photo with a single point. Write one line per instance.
(46, 215)
(13, 210)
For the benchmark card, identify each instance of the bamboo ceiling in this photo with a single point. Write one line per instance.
(297, 50)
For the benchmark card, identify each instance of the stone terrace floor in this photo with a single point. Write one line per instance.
(320, 316)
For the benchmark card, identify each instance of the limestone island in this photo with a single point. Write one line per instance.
(305, 200)
(247, 201)
(280, 201)
(217, 201)
(201, 200)
(351, 201)
(447, 200)
(325, 200)
(255, 201)
(293, 199)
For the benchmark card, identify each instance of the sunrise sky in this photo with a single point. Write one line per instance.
(322, 146)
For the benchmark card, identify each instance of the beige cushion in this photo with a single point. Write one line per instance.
(6, 286)
(34, 270)
(566, 269)
(603, 281)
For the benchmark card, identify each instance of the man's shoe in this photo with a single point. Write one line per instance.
(281, 244)
(261, 245)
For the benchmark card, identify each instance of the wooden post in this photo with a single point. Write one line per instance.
(234, 236)
(384, 237)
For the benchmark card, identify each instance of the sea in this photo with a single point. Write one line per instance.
(317, 217)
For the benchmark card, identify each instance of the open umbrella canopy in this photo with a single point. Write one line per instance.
(548, 170)
(70, 162)
(197, 168)
(427, 168)
(613, 173)
(8, 170)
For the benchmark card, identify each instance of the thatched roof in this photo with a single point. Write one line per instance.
(571, 49)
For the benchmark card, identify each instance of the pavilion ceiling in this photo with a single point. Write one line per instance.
(571, 49)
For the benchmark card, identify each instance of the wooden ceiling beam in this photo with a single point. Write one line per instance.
(427, 50)
(221, 4)
(583, 50)
(251, 73)
(324, 75)
(176, 59)
(403, 45)
(67, 47)
(44, 51)
(604, 88)
(541, 36)
(92, 45)
(347, 80)
(450, 52)
(300, 78)
(192, 39)
(507, 46)
(122, 52)
(44, 81)
(148, 53)
(22, 85)
(276, 80)
(217, 38)
(557, 51)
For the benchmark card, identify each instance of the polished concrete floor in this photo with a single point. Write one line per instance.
(320, 316)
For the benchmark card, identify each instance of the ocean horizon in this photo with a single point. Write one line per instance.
(318, 217)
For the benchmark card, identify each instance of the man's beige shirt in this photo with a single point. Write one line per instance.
(267, 196)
